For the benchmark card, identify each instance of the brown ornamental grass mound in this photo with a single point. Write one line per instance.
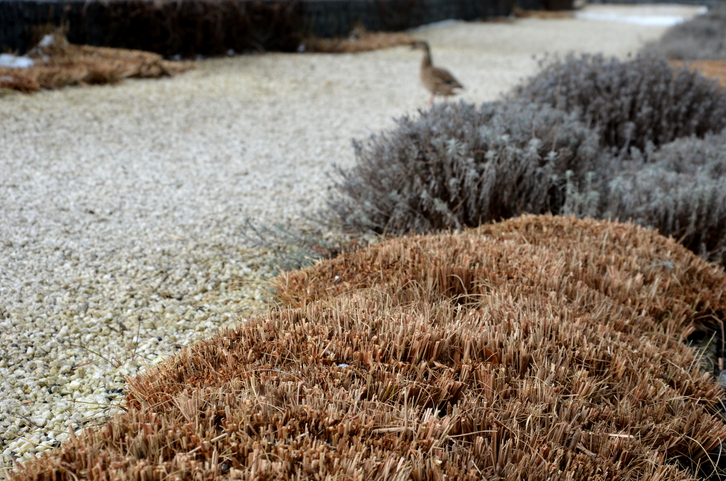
(537, 348)
(61, 64)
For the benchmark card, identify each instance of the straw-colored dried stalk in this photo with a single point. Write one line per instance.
(538, 348)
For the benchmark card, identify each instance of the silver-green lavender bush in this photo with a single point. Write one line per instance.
(456, 165)
(631, 140)
(679, 189)
(630, 103)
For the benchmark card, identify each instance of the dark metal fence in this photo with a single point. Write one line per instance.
(212, 27)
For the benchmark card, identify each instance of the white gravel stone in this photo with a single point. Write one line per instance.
(122, 206)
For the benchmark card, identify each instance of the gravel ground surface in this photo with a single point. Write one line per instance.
(122, 206)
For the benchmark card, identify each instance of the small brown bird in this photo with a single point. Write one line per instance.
(437, 80)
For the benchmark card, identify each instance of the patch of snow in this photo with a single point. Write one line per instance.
(12, 61)
(648, 15)
(47, 41)
(664, 21)
(442, 23)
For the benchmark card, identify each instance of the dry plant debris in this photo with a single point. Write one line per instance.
(537, 348)
(542, 14)
(715, 69)
(359, 40)
(60, 64)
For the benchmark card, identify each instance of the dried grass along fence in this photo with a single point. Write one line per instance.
(58, 64)
(167, 27)
(212, 27)
(538, 348)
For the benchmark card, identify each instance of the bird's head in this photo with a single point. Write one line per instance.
(420, 45)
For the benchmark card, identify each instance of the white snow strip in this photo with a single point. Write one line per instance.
(439, 24)
(12, 61)
(648, 15)
(47, 41)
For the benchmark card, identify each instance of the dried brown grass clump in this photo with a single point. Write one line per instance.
(543, 14)
(62, 64)
(538, 348)
(714, 69)
(359, 40)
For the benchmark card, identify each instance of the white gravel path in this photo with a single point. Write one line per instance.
(121, 206)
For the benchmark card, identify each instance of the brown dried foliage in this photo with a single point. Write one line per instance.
(543, 14)
(714, 69)
(66, 64)
(359, 40)
(538, 348)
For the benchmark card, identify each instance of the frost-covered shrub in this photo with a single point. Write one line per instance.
(680, 190)
(699, 38)
(456, 165)
(630, 103)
